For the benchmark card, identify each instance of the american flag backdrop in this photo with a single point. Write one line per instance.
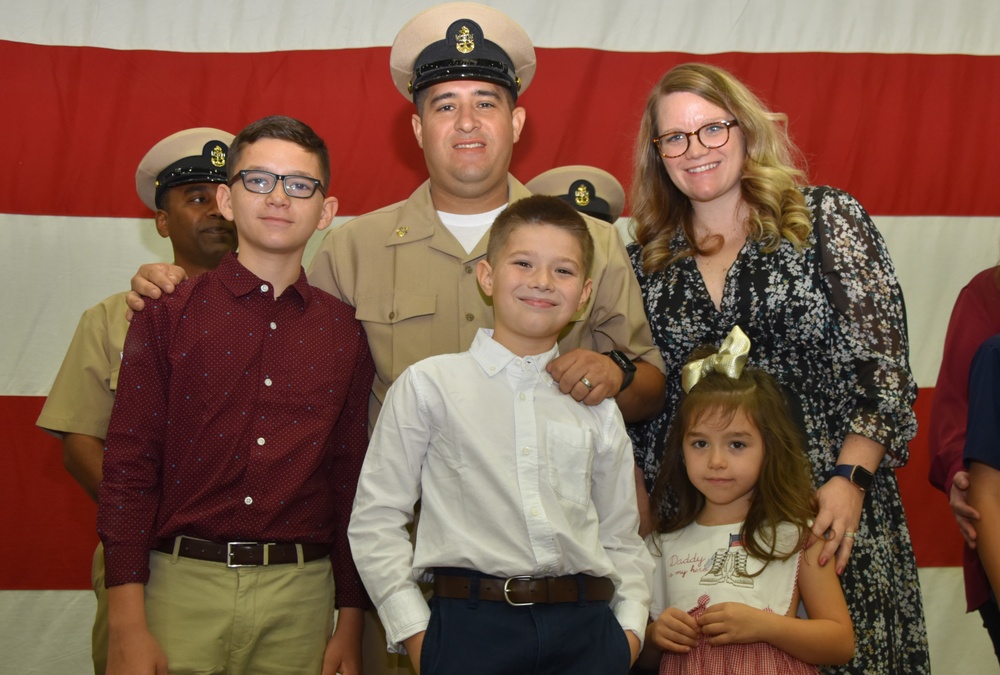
(894, 101)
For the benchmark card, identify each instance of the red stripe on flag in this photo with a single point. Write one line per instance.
(936, 539)
(891, 128)
(50, 525)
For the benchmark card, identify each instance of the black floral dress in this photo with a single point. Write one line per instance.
(828, 322)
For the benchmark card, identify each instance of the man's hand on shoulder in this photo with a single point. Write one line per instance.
(152, 280)
(577, 369)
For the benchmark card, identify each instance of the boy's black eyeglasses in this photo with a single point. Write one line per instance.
(263, 182)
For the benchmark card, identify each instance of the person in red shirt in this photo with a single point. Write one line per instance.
(235, 444)
(975, 317)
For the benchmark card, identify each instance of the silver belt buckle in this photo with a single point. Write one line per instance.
(229, 553)
(506, 592)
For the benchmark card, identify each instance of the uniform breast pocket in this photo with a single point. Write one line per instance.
(399, 328)
(570, 455)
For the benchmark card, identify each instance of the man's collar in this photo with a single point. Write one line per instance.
(418, 220)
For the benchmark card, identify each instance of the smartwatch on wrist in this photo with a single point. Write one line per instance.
(625, 363)
(855, 473)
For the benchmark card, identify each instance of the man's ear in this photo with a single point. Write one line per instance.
(162, 226)
(484, 273)
(517, 119)
(418, 128)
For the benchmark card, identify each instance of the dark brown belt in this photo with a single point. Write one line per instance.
(243, 553)
(525, 590)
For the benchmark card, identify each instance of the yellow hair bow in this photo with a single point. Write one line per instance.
(729, 360)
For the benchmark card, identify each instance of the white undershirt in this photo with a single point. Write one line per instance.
(469, 229)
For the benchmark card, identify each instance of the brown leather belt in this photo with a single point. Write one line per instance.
(519, 591)
(243, 553)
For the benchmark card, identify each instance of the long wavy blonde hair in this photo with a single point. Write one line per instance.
(769, 183)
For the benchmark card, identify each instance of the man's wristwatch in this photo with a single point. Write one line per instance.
(625, 363)
(855, 473)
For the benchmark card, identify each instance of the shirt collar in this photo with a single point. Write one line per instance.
(493, 357)
(240, 281)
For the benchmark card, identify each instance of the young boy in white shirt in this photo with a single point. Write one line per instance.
(528, 521)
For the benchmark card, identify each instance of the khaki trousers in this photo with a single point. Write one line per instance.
(209, 618)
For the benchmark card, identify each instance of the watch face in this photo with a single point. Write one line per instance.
(862, 477)
(624, 362)
(855, 473)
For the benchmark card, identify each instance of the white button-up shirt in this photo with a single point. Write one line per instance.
(515, 478)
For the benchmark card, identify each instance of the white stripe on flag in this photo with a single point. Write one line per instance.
(689, 26)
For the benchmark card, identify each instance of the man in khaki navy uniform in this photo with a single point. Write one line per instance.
(409, 268)
(177, 179)
(589, 190)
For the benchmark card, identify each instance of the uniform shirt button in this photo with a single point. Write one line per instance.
(264, 288)
(248, 501)
(273, 325)
(470, 317)
(260, 441)
(267, 381)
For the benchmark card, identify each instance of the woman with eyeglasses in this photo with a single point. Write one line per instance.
(727, 232)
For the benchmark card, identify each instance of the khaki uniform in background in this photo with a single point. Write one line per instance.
(83, 393)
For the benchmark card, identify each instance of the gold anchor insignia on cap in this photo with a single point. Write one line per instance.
(218, 156)
(402, 230)
(464, 42)
(582, 195)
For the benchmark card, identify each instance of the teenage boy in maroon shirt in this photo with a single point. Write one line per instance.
(241, 416)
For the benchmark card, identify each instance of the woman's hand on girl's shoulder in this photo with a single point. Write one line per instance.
(731, 622)
(674, 631)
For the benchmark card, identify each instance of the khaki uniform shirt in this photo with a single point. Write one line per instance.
(83, 393)
(414, 287)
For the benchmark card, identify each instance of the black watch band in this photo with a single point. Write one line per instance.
(625, 363)
(855, 473)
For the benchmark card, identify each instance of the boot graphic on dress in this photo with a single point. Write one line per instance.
(717, 574)
(729, 565)
(738, 576)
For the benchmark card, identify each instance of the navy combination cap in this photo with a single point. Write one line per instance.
(461, 41)
(586, 188)
(189, 156)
